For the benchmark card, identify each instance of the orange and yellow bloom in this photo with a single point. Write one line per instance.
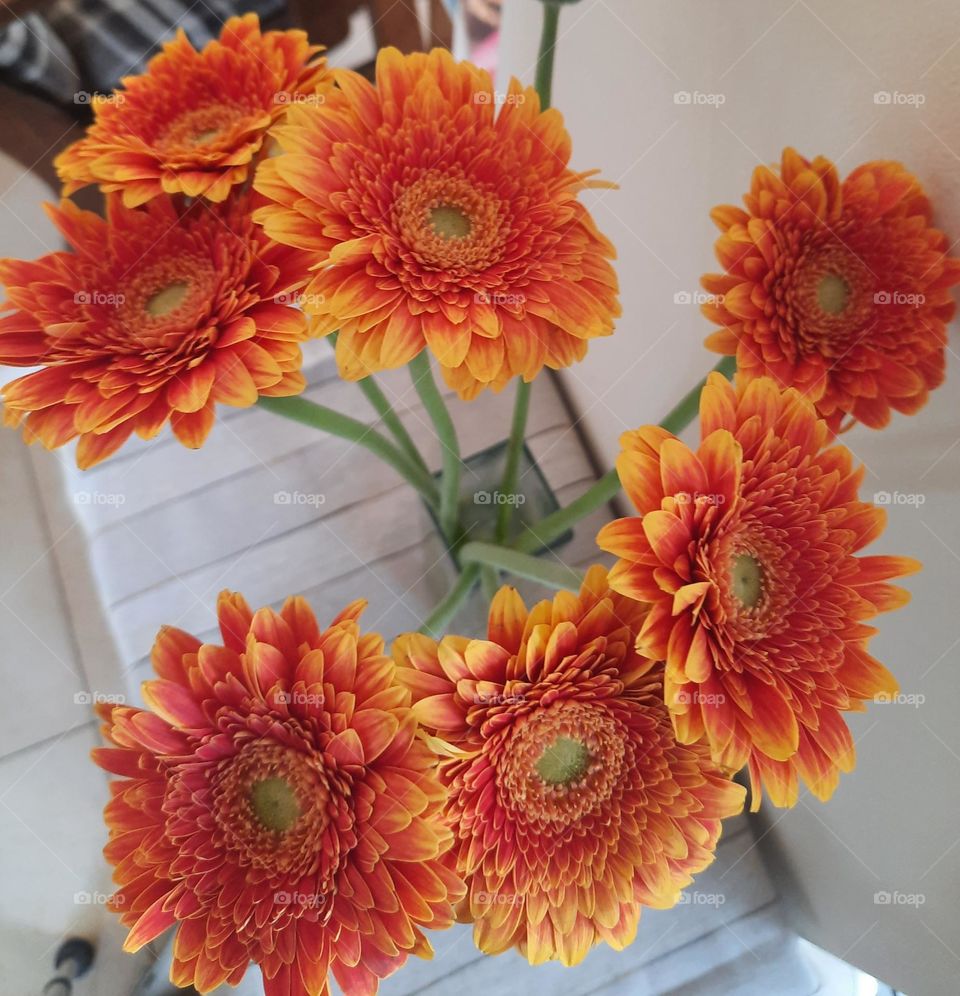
(195, 122)
(572, 801)
(838, 288)
(277, 805)
(747, 551)
(437, 220)
(154, 316)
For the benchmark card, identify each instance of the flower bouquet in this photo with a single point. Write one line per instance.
(302, 797)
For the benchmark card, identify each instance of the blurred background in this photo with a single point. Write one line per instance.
(676, 102)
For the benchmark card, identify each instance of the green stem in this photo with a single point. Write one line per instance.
(381, 405)
(523, 565)
(556, 524)
(327, 420)
(688, 407)
(543, 80)
(449, 445)
(511, 471)
(420, 369)
(445, 610)
(543, 533)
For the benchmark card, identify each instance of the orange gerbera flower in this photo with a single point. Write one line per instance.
(573, 804)
(153, 317)
(747, 549)
(278, 805)
(195, 122)
(436, 221)
(838, 289)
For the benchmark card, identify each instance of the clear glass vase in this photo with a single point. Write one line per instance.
(480, 503)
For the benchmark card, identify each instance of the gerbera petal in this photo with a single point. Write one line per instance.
(752, 590)
(324, 798)
(428, 270)
(181, 327)
(552, 863)
(827, 285)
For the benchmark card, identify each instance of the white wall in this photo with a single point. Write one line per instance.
(804, 73)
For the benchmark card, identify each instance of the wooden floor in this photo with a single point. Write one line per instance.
(163, 529)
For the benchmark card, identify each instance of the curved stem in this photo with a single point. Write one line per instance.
(688, 407)
(445, 610)
(552, 526)
(606, 489)
(449, 445)
(511, 471)
(522, 565)
(301, 410)
(381, 405)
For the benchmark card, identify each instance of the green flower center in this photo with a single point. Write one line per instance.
(833, 293)
(449, 222)
(207, 135)
(746, 577)
(166, 301)
(275, 804)
(563, 763)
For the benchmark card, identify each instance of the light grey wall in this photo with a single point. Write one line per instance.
(803, 73)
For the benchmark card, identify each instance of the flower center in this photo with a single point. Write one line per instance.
(560, 762)
(201, 138)
(450, 222)
(564, 762)
(275, 804)
(746, 579)
(833, 293)
(199, 126)
(167, 300)
(453, 224)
